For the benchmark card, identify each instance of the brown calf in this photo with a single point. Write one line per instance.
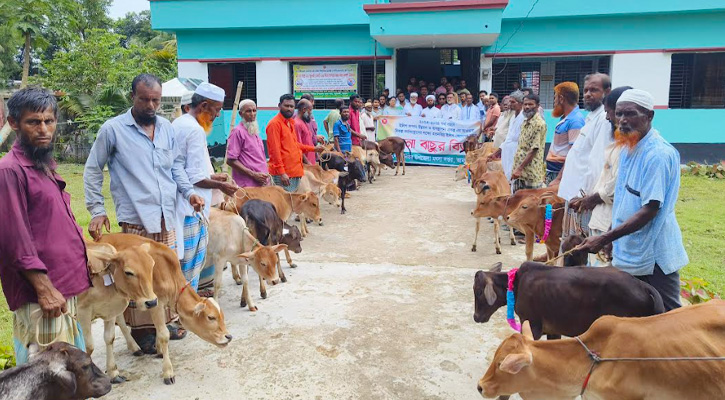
(304, 204)
(390, 146)
(117, 277)
(562, 369)
(490, 187)
(203, 317)
(529, 218)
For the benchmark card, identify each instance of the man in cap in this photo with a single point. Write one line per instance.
(191, 130)
(147, 170)
(186, 102)
(647, 241)
(412, 108)
(367, 121)
(245, 150)
(430, 111)
(566, 106)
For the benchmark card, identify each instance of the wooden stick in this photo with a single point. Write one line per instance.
(235, 110)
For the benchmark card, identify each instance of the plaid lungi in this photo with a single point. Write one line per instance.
(519, 184)
(293, 183)
(65, 328)
(550, 176)
(575, 223)
(195, 241)
(137, 319)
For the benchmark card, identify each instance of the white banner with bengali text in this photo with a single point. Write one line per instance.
(431, 141)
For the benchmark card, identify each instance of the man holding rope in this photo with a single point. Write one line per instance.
(43, 264)
(647, 241)
(191, 130)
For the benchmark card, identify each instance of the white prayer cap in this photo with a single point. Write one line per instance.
(639, 97)
(414, 94)
(186, 98)
(430, 97)
(211, 92)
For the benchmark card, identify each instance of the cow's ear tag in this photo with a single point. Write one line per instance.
(345, 168)
(285, 231)
(108, 280)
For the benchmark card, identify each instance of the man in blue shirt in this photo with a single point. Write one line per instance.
(647, 241)
(343, 137)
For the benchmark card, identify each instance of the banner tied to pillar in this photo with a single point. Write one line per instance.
(431, 141)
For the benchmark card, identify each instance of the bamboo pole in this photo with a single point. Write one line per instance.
(235, 111)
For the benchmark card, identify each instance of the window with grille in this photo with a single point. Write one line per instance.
(577, 70)
(369, 86)
(508, 74)
(697, 80)
(449, 57)
(227, 76)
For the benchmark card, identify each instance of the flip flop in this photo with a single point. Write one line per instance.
(147, 344)
(176, 332)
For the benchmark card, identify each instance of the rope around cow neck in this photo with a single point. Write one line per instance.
(597, 359)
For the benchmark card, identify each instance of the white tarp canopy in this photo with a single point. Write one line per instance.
(177, 87)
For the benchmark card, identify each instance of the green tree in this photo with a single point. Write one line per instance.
(136, 29)
(94, 15)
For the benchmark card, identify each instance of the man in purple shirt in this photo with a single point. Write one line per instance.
(43, 264)
(245, 151)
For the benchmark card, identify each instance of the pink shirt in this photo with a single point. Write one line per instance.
(355, 125)
(249, 150)
(305, 136)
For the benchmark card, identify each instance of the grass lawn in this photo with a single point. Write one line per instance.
(700, 213)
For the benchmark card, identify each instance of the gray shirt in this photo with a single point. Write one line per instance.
(145, 175)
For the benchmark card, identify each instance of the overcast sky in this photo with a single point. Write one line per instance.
(121, 7)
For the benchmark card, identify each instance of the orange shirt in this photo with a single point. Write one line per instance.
(285, 153)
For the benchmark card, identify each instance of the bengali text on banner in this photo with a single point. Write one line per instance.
(429, 141)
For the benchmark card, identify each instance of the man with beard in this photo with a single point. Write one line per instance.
(245, 150)
(507, 151)
(343, 136)
(42, 252)
(647, 241)
(431, 111)
(191, 130)
(412, 108)
(585, 160)
(311, 124)
(503, 123)
(147, 170)
(302, 129)
(529, 167)
(566, 106)
(451, 110)
(367, 122)
(599, 202)
(285, 152)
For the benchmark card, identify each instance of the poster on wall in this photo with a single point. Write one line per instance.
(329, 81)
(429, 141)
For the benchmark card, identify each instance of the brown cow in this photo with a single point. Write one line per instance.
(489, 187)
(230, 241)
(327, 191)
(563, 369)
(203, 317)
(390, 146)
(324, 175)
(304, 204)
(529, 216)
(117, 278)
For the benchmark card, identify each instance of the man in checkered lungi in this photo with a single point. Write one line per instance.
(191, 130)
(147, 170)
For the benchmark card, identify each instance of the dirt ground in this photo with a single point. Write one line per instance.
(380, 307)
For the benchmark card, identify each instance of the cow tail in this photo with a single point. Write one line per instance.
(658, 306)
(410, 152)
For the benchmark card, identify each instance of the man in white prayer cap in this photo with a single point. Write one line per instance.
(412, 108)
(191, 130)
(430, 111)
(647, 241)
(186, 102)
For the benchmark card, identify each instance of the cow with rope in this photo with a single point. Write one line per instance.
(672, 356)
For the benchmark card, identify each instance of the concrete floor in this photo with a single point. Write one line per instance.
(381, 307)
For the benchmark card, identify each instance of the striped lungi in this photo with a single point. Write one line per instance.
(65, 328)
(575, 223)
(195, 241)
(134, 317)
(294, 183)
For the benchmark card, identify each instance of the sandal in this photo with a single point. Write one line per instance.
(176, 332)
(147, 343)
